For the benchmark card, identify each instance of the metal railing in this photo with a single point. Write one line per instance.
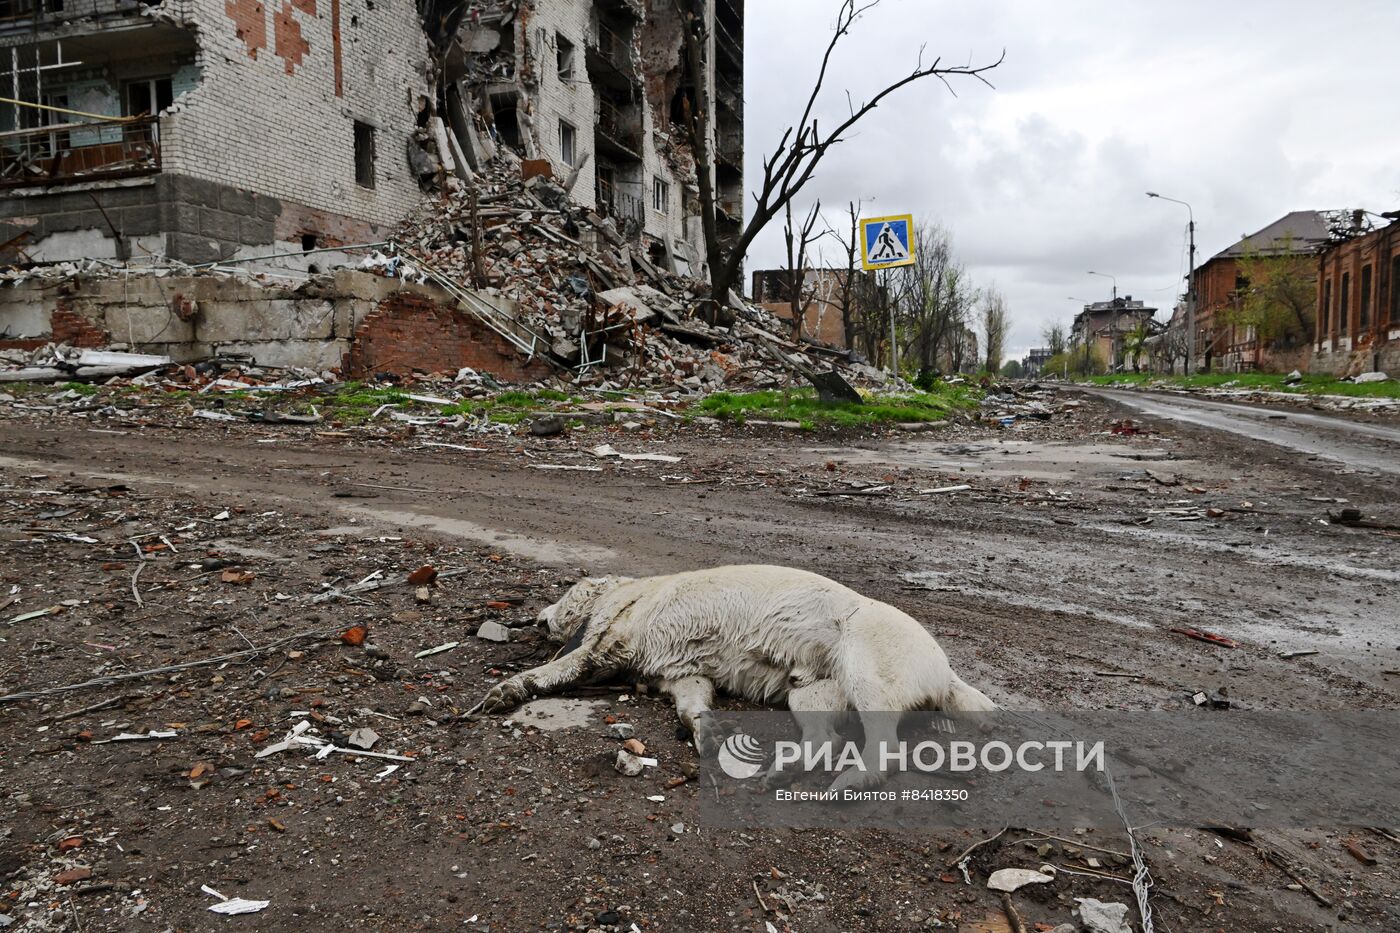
(615, 48)
(72, 152)
(616, 125)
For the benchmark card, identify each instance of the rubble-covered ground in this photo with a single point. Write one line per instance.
(282, 562)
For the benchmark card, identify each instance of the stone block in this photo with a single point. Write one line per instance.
(237, 201)
(192, 249)
(218, 225)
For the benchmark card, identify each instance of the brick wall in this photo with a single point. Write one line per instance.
(282, 84)
(1345, 344)
(411, 333)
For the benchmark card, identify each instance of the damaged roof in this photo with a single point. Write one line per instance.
(1294, 232)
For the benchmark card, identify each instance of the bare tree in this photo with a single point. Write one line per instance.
(1054, 337)
(994, 327)
(791, 165)
(933, 302)
(799, 294)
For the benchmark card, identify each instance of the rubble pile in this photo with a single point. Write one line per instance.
(561, 281)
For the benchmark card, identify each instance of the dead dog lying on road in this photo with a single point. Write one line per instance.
(762, 633)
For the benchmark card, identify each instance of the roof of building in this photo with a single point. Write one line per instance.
(1294, 232)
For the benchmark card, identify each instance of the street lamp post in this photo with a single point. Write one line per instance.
(1191, 280)
(1107, 276)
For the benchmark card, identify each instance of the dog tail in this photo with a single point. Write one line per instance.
(965, 698)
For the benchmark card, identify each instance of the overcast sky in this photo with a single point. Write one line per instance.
(1246, 109)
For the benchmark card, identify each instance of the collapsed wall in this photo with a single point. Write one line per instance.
(351, 321)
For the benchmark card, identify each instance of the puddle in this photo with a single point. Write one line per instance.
(556, 714)
(543, 550)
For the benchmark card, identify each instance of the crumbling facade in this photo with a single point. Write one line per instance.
(1358, 305)
(599, 90)
(822, 319)
(205, 130)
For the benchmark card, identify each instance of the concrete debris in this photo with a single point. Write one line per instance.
(363, 738)
(59, 362)
(561, 284)
(493, 631)
(628, 764)
(1372, 377)
(1100, 917)
(1012, 879)
(621, 730)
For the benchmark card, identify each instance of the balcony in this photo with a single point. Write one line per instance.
(617, 131)
(629, 210)
(68, 153)
(38, 15)
(609, 57)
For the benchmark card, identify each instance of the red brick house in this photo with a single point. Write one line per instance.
(1224, 345)
(1358, 305)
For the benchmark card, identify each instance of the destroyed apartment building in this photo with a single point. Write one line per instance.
(222, 176)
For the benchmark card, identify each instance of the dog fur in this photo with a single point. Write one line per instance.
(767, 634)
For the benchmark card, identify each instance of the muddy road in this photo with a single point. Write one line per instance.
(1054, 582)
(1358, 444)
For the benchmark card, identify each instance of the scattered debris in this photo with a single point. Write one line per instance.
(1012, 879)
(1207, 637)
(1100, 917)
(233, 905)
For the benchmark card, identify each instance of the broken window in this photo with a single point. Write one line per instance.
(1365, 299)
(1395, 290)
(566, 58)
(1344, 304)
(147, 96)
(660, 196)
(1327, 307)
(568, 143)
(505, 119)
(364, 155)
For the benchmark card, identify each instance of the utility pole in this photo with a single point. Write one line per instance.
(1190, 280)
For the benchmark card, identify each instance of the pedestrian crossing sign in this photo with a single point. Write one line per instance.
(887, 242)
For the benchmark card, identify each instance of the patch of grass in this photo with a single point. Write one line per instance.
(551, 395)
(802, 406)
(82, 388)
(1268, 382)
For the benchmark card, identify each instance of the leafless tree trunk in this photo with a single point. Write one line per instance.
(798, 239)
(791, 165)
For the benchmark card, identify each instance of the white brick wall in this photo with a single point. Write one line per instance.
(252, 125)
(573, 101)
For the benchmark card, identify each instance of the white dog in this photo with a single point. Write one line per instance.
(762, 633)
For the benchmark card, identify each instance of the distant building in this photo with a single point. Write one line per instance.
(821, 313)
(1222, 344)
(1358, 305)
(1034, 361)
(1104, 325)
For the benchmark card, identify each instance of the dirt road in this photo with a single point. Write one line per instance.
(1073, 556)
(1356, 444)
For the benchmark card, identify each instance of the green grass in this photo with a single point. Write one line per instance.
(802, 406)
(1311, 385)
(82, 388)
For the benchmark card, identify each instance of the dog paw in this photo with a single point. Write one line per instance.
(855, 779)
(709, 734)
(506, 695)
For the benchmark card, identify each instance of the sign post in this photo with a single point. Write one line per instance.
(888, 243)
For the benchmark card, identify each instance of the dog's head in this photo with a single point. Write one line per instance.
(565, 617)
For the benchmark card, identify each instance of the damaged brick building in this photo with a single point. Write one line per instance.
(203, 130)
(599, 90)
(274, 135)
(194, 130)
